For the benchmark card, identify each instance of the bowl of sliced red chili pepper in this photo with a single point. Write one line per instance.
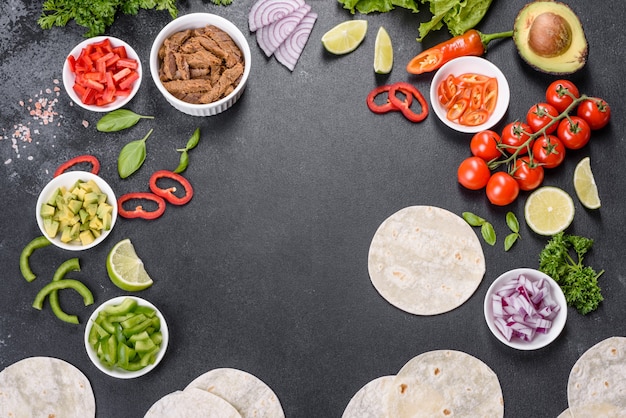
(102, 74)
(76, 210)
(469, 94)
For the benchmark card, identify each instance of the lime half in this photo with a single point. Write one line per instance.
(549, 210)
(585, 185)
(126, 269)
(383, 52)
(345, 37)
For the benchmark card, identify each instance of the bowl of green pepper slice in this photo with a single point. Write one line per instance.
(126, 337)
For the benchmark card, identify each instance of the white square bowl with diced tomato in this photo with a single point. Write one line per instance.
(102, 73)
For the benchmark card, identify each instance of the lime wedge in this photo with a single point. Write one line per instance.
(585, 185)
(549, 210)
(345, 37)
(126, 269)
(383, 52)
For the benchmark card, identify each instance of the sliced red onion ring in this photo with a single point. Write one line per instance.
(288, 53)
(269, 37)
(264, 12)
(523, 307)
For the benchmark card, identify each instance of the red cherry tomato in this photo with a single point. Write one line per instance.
(549, 151)
(595, 111)
(559, 94)
(484, 144)
(574, 132)
(529, 175)
(515, 135)
(540, 115)
(473, 173)
(502, 189)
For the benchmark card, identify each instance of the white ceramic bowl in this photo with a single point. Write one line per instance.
(68, 179)
(195, 21)
(116, 371)
(69, 77)
(475, 65)
(540, 340)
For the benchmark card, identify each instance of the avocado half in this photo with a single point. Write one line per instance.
(550, 37)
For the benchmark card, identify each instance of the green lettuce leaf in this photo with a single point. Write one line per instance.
(458, 15)
(381, 6)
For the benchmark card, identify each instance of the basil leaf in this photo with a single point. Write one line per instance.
(193, 141)
(118, 120)
(472, 219)
(511, 221)
(510, 240)
(488, 233)
(132, 156)
(182, 164)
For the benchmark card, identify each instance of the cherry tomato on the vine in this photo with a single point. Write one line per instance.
(528, 174)
(502, 189)
(484, 144)
(540, 115)
(561, 94)
(595, 111)
(515, 135)
(473, 173)
(574, 132)
(549, 151)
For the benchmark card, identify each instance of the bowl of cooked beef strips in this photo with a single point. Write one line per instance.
(200, 62)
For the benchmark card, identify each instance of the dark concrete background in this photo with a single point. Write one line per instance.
(265, 270)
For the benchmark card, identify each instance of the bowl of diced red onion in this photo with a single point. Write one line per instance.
(525, 309)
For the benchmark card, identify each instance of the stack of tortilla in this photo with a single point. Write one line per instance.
(440, 383)
(220, 393)
(425, 260)
(45, 387)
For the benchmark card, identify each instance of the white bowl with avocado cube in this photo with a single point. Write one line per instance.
(76, 210)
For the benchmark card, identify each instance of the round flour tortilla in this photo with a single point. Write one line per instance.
(247, 393)
(597, 381)
(192, 403)
(445, 383)
(425, 260)
(45, 387)
(370, 400)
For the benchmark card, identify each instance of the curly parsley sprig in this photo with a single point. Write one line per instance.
(579, 282)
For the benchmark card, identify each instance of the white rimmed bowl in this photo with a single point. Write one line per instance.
(68, 179)
(116, 371)
(475, 65)
(69, 77)
(195, 21)
(540, 340)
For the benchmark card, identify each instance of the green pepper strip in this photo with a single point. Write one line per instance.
(69, 265)
(28, 250)
(63, 284)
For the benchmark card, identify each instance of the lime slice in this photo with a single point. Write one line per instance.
(345, 37)
(126, 269)
(549, 210)
(383, 52)
(585, 185)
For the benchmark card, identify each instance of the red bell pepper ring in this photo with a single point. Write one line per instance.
(95, 164)
(168, 194)
(387, 106)
(408, 90)
(139, 211)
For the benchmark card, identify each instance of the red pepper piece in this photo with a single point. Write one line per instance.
(168, 194)
(387, 106)
(95, 164)
(139, 211)
(404, 106)
(471, 43)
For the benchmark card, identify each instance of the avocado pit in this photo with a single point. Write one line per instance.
(550, 35)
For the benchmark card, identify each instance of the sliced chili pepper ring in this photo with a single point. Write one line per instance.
(168, 194)
(95, 164)
(404, 106)
(139, 211)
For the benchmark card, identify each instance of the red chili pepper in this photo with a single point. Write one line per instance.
(139, 211)
(471, 43)
(387, 106)
(95, 164)
(408, 90)
(168, 194)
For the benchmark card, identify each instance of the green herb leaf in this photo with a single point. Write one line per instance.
(511, 221)
(118, 120)
(193, 140)
(509, 240)
(472, 219)
(132, 156)
(183, 163)
(488, 233)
